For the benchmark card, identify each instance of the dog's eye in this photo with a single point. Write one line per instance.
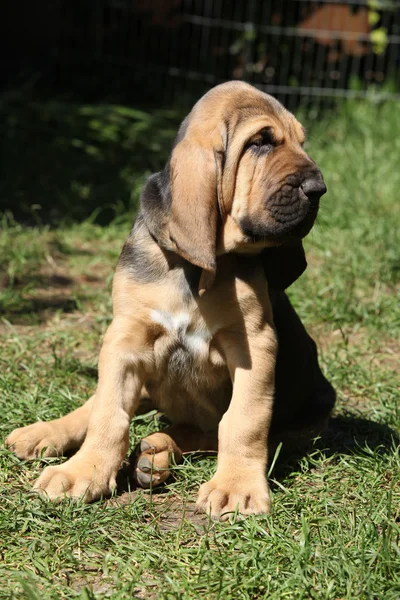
(263, 141)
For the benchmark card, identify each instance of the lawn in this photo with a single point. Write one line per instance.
(335, 527)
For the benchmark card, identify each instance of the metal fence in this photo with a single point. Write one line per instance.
(172, 50)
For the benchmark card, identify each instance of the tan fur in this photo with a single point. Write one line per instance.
(134, 349)
(229, 329)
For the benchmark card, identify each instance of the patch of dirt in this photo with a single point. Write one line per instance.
(54, 288)
(173, 513)
(389, 355)
(97, 583)
(170, 512)
(326, 338)
(54, 276)
(383, 351)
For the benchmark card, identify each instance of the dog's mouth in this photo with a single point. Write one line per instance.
(279, 226)
(304, 227)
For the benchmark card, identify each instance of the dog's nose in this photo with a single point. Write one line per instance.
(314, 188)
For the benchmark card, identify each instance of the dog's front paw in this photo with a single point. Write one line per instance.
(226, 494)
(36, 440)
(84, 477)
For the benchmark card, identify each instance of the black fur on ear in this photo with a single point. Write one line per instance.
(155, 205)
(284, 264)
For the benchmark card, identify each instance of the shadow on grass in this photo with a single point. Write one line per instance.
(36, 311)
(34, 297)
(345, 435)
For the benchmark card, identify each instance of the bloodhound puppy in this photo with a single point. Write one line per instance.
(201, 323)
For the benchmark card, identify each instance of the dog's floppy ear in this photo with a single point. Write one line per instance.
(180, 204)
(195, 170)
(284, 264)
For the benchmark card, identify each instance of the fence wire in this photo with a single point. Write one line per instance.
(173, 50)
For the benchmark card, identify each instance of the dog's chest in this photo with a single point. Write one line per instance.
(190, 382)
(186, 343)
(187, 377)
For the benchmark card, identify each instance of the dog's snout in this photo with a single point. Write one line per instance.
(314, 187)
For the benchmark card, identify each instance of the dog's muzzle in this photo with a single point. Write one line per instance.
(290, 212)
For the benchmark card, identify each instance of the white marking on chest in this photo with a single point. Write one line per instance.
(178, 322)
(196, 341)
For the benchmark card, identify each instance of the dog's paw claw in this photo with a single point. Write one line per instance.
(144, 464)
(80, 477)
(144, 446)
(220, 499)
(39, 440)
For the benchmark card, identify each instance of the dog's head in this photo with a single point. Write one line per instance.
(238, 180)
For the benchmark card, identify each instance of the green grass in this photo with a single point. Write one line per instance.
(335, 528)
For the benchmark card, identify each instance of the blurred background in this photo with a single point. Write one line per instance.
(92, 91)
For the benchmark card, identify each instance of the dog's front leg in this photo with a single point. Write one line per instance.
(92, 471)
(240, 480)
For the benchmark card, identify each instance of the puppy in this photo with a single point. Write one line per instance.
(201, 324)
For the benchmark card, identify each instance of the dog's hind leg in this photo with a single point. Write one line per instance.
(158, 452)
(52, 438)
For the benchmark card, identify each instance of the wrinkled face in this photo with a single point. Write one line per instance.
(238, 179)
(278, 186)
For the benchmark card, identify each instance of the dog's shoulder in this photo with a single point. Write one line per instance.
(144, 261)
(141, 257)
